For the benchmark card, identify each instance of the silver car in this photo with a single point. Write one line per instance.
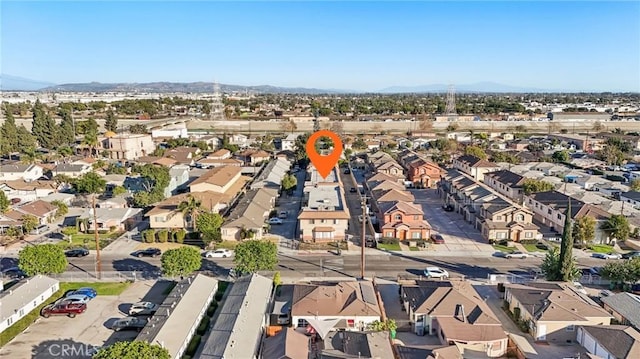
(130, 323)
(75, 298)
(143, 308)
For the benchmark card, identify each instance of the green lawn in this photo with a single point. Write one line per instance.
(22, 324)
(390, 247)
(532, 248)
(601, 248)
(88, 241)
(227, 245)
(414, 249)
(502, 248)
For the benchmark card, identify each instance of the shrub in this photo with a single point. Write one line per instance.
(193, 345)
(389, 240)
(149, 235)
(180, 234)
(163, 236)
(204, 324)
(528, 241)
(212, 309)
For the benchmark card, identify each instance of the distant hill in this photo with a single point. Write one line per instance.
(490, 87)
(165, 87)
(15, 83)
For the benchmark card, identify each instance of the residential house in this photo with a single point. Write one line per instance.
(170, 132)
(178, 177)
(632, 197)
(219, 179)
(272, 174)
(25, 296)
(391, 168)
(238, 329)
(471, 199)
(179, 315)
(324, 216)
(348, 344)
(506, 183)
(183, 155)
(221, 154)
(155, 160)
(404, 221)
(65, 198)
(500, 219)
(28, 191)
(71, 170)
(423, 173)
(550, 208)
(113, 202)
(211, 163)
(455, 313)
(128, 146)
(609, 342)
(44, 211)
(552, 311)
(382, 181)
(248, 217)
(288, 143)
(380, 196)
(286, 344)
(254, 157)
(23, 172)
(474, 166)
(240, 140)
(109, 219)
(166, 215)
(625, 308)
(326, 307)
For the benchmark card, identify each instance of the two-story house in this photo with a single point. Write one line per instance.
(127, 146)
(500, 219)
(423, 173)
(391, 168)
(27, 191)
(23, 172)
(474, 166)
(404, 221)
(288, 143)
(219, 179)
(506, 183)
(178, 177)
(248, 217)
(625, 308)
(166, 215)
(471, 200)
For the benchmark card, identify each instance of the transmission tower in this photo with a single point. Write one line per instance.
(217, 106)
(451, 101)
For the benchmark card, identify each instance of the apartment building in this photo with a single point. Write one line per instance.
(474, 166)
(129, 146)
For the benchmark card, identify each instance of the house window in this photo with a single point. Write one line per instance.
(21, 312)
(322, 221)
(528, 235)
(415, 235)
(416, 218)
(9, 321)
(302, 323)
(559, 216)
(397, 217)
(520, 218)
(389, 234)
(335, 221)
(571, 328)
(160, 219)
(311, 221)
(351, 323)
(501, 235)
(548, 211)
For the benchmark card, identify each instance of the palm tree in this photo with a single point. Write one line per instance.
(191, 208)
(91, 140)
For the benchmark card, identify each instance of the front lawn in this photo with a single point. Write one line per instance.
(533, 248)
(501, 248)
(88, 240)
(102, 288)
(227, 245)
(601, 248)
(390, 246)
(414, 249)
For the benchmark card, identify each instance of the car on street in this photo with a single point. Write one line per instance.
(75, 298)
(129, 323)
(13, 273)
(63, 308)
(437, 238)
(149, 252)
(347, 171)
(143, 308)
(447, 208)
(88, 291)
(353, 190)
(77, 252)
(592, 271)
(436, 272)
(610, 255)
(631, 255)
(219, 253)
(517, 254)
(542, 245)
(283, 214)
(275, 220)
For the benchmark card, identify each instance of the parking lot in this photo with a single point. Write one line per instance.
(458, 234)
(61, 336)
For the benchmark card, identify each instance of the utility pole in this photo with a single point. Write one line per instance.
(363, 241)
(95, 232)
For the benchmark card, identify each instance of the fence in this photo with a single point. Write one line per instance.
(509, 278)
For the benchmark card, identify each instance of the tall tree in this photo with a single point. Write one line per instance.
(532, 185)
(67, 127)
(8, 132)
(181, 261)
(26, 141)
(585, 228)
(44, 128)
(566, 247)
(42, 259)
(190, 209)
(4, 203)
(209, 227)
(111, 122)
(91, 140)
(255, 255)
(617, 226)
(91, 183)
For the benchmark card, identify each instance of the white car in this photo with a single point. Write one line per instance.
(143, 308)
(275, 220)
(579, 287)
(609, 255)
(435, 272)
(517, 254)
(219, 253)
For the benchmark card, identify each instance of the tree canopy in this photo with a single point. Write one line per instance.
(4, 202)
(90, 183)
(476, 152)
(42, 259)
(136, 349)
(289, 182)
(181, 261)
(532, 185)
(585, 230)
(208, 225)
(617, 226)
(255, 255)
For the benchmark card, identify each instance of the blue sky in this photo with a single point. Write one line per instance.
(590, 46)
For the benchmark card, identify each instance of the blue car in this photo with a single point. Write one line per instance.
(88, 291)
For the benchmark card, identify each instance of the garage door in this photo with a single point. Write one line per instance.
(542, 332)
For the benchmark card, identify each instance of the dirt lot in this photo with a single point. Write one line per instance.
(61, 336)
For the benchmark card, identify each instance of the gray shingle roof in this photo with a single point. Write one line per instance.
(627, 305)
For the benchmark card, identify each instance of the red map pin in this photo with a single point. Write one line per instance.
(324, 164)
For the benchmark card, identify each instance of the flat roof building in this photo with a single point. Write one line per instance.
(23, 297)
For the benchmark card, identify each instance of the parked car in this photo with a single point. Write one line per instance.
(447, 208)
(219, 253)
(75, 298)
(130, 323)
(435, 272)
(610, 255)
(631, 255)
(143, 308)
(353, 190)
(437, 238)
(517, 254)
(283, 214)
(63, 308)
(579, 287)
(275, 220)
(13, 273)
(88, 291)
(149, 252)
(40, 229)
(542, 245)
(594, 271)
(77, 252)
(347, 171)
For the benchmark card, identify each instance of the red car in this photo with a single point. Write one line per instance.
(437, 239)
(63, 308)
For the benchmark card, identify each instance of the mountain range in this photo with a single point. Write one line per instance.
(14, 83)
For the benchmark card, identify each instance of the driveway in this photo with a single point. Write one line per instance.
(287, 232)
(61, 336)
(458, 234)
